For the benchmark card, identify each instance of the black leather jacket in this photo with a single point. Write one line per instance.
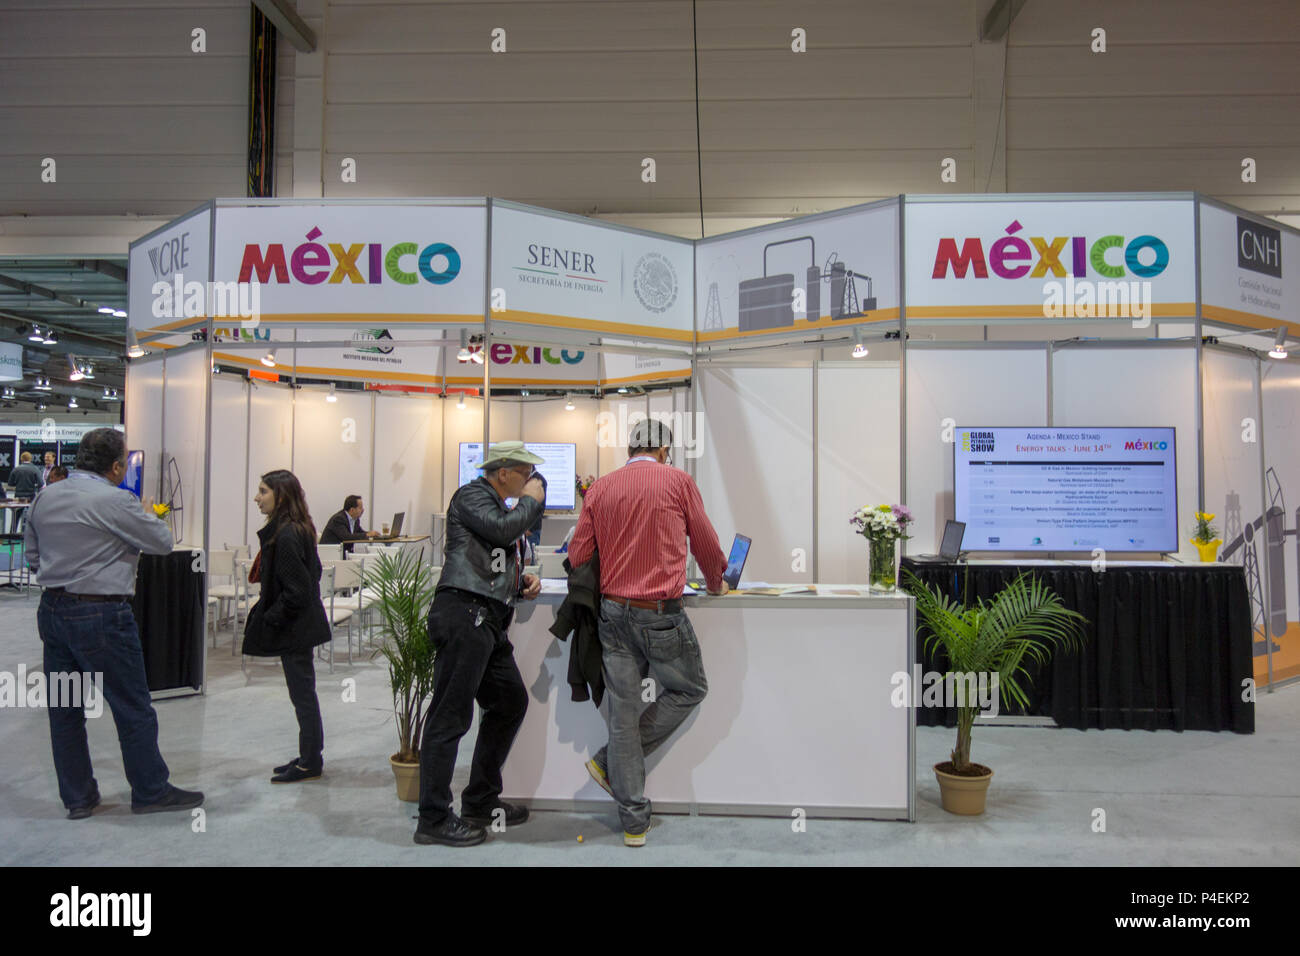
(477, 525)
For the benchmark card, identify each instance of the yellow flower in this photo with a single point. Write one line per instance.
(1202, 516)
(162, 510)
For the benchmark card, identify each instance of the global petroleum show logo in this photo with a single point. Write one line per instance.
(654, 280)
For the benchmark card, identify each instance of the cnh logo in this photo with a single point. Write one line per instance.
(1010, 256)
(313, 262)
(1146, 445)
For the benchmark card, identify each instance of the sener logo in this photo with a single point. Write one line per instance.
(1146, 446)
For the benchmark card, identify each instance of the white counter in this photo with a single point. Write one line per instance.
(798, 713)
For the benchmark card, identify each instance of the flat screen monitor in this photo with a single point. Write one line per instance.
(559, 470)
(1050, 488)
(134, 480)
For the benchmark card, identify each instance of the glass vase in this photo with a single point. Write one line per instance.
(883, 570)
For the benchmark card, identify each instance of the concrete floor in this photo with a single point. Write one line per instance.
(1191, 799)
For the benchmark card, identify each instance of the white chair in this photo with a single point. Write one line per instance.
(221, 564)
(335, 615)
(329, 552)
(247, 594)
(349, 596)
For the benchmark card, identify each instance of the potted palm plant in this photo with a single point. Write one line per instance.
(402, 587)
(1024, 621)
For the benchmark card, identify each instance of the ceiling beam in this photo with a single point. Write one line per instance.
(285, 18)
(103, 267)
(998, 20)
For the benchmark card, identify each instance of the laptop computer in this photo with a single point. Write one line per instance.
(949, 547)
(735, 564)
(396, 530)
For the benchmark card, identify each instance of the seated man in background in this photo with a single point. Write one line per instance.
(344, 527)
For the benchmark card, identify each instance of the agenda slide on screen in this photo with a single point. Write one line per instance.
(1066, 489)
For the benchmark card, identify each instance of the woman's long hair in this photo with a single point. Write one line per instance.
(290, 502)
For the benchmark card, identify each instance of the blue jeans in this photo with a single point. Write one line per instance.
(637, 643)
(100, 638)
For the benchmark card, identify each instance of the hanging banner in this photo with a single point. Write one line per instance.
(623, 368)
(1091, 258)
(172, 258)
(379, 265)
(525, 364)
(11, 362)
(563, 273)
(1250, 270)
(819, 272)
(374, 355)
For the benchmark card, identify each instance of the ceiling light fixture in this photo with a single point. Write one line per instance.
(331, 397)
(133, 349)
(269, 359)
(35, 335)
(120, 314)
(106, 310)
(76, 375)
(72, 402)
(460, 400)
(463, 355)
(50, 338)
(860, 349)
(568, 403)
(1278, 351)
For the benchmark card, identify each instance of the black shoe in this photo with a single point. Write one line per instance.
(176, 799)
(514, 815)
(297, 772)
(80, 813)
(285, 766)
(452, 831)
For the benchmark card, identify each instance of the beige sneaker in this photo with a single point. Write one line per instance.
(633, 839)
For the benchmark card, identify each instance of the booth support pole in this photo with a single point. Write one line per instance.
(293, 406)
(207, 456)
(374, 425)
(902, 354)
(1051, 390)
(248, 448)
(487, 330)
(1265, 573)
(1200, 367)
(816, 376)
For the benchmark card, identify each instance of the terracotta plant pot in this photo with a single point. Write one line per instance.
(963, 794)
(408, 779)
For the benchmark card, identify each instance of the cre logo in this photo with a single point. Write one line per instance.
(1009, 256)
(170, 256)
(1146, 445)
(1259, 248)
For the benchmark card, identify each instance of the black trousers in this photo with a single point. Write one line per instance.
(475, 663)
(300, 675)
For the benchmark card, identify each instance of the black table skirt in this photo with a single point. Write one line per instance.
(1167, 648)
(168, 606)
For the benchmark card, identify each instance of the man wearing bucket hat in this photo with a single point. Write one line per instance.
(472, 609)
(639, 518)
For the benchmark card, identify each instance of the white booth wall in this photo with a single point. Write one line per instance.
(858, 456)
(1280, 383)
(1135, 386)
(952, 387)
(166, 418)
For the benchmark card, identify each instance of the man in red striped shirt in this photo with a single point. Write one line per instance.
(638, 518)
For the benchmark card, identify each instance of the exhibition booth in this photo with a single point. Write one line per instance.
(384, 341)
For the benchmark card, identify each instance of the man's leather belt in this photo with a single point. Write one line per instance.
(93, 598)
(663, 607)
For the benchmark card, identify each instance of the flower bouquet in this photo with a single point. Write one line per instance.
(162, 509)
(883, 526)
(1206, 537)
(584, 485)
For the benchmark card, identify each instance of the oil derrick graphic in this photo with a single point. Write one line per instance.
(1247, 539)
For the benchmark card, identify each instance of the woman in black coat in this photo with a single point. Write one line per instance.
(289, 619)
